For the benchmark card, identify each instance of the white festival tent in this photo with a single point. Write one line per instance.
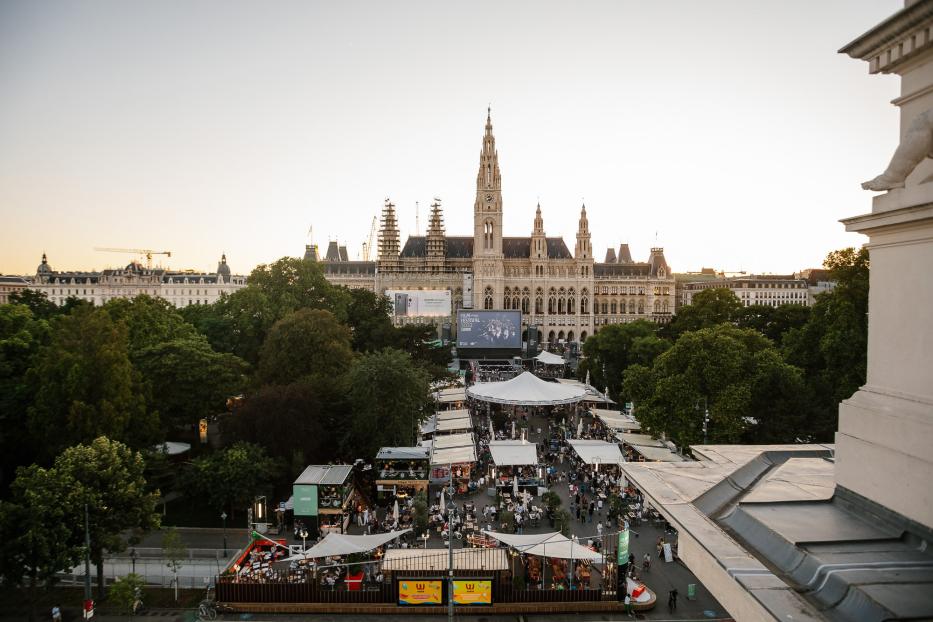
(514, 453)
(526, 389)
(554, 545)
(616, 420)
(597, 452)
(335, 544)
(547, 358)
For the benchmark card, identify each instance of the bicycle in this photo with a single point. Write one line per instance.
(207, 610)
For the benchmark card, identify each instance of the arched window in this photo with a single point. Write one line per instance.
(605, 308)
(631, 306)
(487, 298)
(551, 337)
(488, 234)
(666, 307)
(584, 306)
(641, 306)
(515, 303)
(571, 303)
(612, 307)
(560, 336)
(583, 336)
(569, 335)
(560, 305)
(551, 305)
(525, 304)
(657, 306)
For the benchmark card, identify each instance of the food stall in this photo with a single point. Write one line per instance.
(324, 494)
(401, 472)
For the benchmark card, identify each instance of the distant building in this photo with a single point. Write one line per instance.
(567, 295)
(10, 285)
(818, 282)
(768, 290)
(178, 288)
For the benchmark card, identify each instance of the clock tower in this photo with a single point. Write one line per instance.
(487, 225)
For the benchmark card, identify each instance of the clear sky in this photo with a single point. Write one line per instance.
(730, 133)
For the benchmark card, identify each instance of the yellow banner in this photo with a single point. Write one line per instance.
(420, 592)
(472, 592)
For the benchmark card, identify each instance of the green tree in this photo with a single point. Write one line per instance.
(21, 337)
(149, 322)
(708, 308)
(291, 284)
(772, 322)
(610, 351)
(37, 535)
(368, 320)
(107, 476)
(188, 379)
(290, 419)
(388, 397)
(175, 552)
(125, 592)
(727, 369)
(85, 385)
(420, 341)
(40, 305)
(231, 478)
(237, 323)
(309, 345)
(420, 513)
(832, 347)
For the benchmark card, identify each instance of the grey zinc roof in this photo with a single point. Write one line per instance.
(512, 248)
(325, 474)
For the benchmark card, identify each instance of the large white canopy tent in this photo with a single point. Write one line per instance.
(597, 452)
(460, 424)
(514, 453)
(458, 413)
(554, 545)
(526, 389)
(453, 449)
(658, 454)
(639, 440)
(335, 544)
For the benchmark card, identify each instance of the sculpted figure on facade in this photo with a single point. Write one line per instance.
(916, 145)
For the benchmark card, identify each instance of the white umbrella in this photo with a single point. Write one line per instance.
(587, 381)
(442, 500)
(515, 487)
(513, 428)
(395, 512)
(580, 427)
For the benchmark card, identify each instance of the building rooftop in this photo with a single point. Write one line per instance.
(325, 474)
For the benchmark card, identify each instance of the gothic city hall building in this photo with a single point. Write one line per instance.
(567, 296)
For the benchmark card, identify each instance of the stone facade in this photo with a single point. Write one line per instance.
(768, 290)
(179, 288)
(568, 296)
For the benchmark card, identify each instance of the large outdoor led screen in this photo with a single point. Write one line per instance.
(489, 330)
(419, 302)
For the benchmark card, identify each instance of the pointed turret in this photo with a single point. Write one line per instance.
(389, 243)
(538, 239)
(436, 240)
(583, 250)
(487, 210)
(223, 270)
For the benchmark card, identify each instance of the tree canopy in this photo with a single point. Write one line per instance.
(610, 351)
(308, 345)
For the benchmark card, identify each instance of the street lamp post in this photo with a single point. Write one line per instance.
(304, 540)
(223, 517)
(133, 556)
(450, 546)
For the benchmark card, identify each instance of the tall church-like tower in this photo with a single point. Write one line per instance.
(487, 223)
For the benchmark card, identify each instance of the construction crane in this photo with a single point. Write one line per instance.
(368, 245)
(137, 251)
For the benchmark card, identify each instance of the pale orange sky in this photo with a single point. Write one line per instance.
(731, 133)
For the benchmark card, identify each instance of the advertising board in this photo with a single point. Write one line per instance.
(420, 302)
(305, 499)
(473, 592)
(489, 330)
(419, 592)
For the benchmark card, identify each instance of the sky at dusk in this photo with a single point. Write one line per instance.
(731, 133)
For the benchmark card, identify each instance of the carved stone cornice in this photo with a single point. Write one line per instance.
(905, 36)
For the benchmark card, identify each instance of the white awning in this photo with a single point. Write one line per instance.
(526, 389)
(450, 425)
(459, 413)
(616, 420)
(548, 358)
(546, 545)
(597, 452)
(397, 560)
(514, 453)
(335, 544)
(658, 454)
(453, 440)
(639, 440)
(453, 455)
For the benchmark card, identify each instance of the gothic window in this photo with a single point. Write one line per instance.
(487, 298)
(584, 305)
(515, 303)
(641, 306)
(657, 306)
(570, 305)
(583, 336)
(560, 305)
(569, 336)
(641, 291)
(539, 305)
(631, 306)
(665, 307)
(605, 308)
(525, 305)
(551, 337)
(612, 307)
(488, 234)
(560, 336)
(551, 305)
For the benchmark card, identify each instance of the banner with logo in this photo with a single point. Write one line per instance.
(420, 592)
(473, 592)
(622, 549)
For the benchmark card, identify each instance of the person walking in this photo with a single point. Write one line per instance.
(646, 562)
(672, 600)
(599, 528)
(56, 614)
(592, 507)
(629, 609)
